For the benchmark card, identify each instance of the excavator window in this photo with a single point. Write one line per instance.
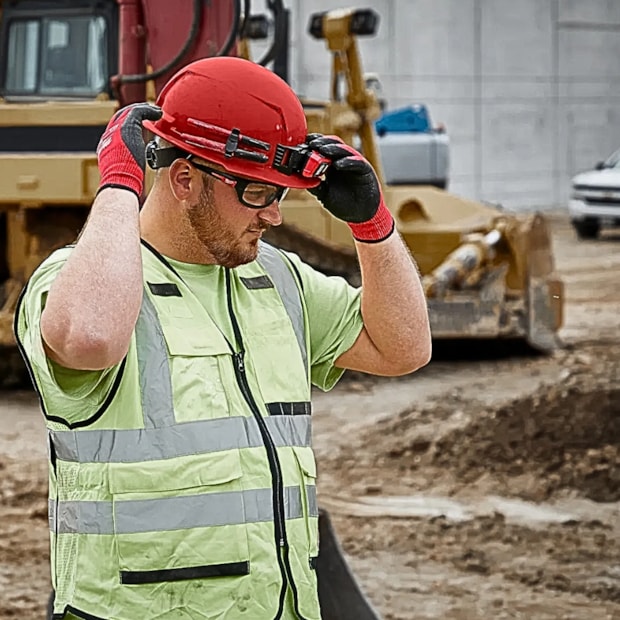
(57, 56)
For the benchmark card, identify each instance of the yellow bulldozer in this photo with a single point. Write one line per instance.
(486, 273)
(67, 65)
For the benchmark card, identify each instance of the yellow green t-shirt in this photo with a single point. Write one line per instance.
(333, 317)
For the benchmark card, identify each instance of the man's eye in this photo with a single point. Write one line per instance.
(259, 191)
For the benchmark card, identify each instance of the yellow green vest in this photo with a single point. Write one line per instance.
(191, 493)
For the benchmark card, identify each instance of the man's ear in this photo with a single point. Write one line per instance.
(184, 182)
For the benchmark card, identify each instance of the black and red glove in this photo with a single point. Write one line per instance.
(351, 190)
(120, 152)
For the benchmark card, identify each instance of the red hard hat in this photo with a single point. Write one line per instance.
(235, 113)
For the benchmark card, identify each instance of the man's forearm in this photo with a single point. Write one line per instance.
(93, 304)
(393, 302)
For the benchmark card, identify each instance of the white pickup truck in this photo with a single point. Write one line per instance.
(595, 198)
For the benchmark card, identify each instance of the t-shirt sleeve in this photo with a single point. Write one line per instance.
(59, 388)
(334, 320)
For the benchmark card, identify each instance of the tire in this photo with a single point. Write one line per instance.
(587, 229)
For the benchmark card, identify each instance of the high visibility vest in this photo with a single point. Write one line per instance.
(191, 494)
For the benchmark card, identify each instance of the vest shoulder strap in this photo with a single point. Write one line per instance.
(274, 262)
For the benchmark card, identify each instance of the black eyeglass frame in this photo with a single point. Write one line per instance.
(240, 184)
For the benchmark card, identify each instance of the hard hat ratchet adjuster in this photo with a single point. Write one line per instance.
(300, 160)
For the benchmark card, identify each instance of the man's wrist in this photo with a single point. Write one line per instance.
(376, 229)
(118, 186)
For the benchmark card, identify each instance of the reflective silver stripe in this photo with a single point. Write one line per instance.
(313, 507)
(199, 437)
(81, 517)
(289, 430)
(153, 368)
(274, 264)
(51, 514)
(174, 513)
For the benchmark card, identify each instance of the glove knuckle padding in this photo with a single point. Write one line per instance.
(121, 148)
(131, 133)
(353, 165)
(321, 141)
(337, 150)
(350, 191)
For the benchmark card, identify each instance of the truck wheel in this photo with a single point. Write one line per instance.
(587, 229)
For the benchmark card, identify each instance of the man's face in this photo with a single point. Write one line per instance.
(227, 228)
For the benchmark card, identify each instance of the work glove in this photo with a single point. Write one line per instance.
(120, 151)
(351, 190)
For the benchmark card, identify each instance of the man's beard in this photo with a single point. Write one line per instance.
(228, 249)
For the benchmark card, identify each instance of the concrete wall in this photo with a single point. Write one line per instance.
(528, 89)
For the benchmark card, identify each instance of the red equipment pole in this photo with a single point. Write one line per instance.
(131, 51)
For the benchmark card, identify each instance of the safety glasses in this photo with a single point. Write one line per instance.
(253, 194)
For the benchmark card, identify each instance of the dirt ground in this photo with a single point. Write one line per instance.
(486, 485)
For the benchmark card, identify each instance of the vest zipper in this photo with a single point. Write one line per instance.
(274, 463)
(271, 449)
(278, 486)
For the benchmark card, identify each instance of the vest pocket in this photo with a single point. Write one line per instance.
(196, 373)
(306, 462)
(181, 533)
(307, 465)
(272, 347)
(184, 474)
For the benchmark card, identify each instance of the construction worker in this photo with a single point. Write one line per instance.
(174, 354)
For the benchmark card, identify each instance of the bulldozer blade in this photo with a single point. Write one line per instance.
(339, 593)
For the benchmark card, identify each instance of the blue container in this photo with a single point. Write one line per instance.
(412, 119)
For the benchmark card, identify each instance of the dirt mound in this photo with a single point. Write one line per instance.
(24, 484)
(564, 438)
(568, 436)
(489, 565)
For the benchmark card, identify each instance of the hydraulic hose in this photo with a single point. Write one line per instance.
(234, 29)
(279, 16)
(189, 42)
(246, 15)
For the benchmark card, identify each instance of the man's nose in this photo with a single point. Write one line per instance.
(271, 214)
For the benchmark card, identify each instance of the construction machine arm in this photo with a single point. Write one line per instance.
(340, 30)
